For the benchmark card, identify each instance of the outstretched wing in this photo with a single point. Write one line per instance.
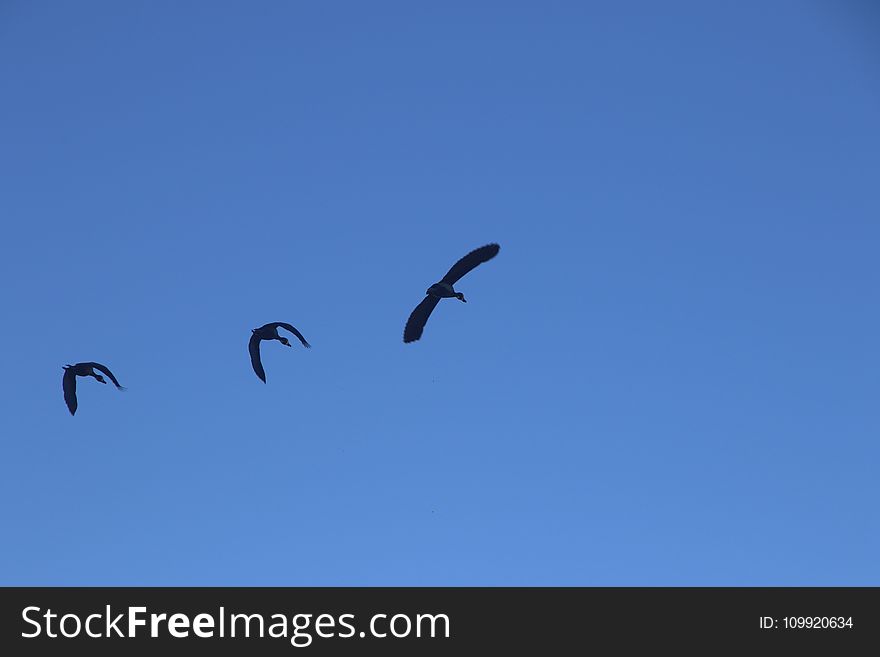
(290, 328)
(254, 349)
(470, 261)
(106, 371)
(68, 384)
(418, 318)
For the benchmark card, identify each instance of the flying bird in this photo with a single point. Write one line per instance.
(443, 290)
(68, 381)
(270, 332)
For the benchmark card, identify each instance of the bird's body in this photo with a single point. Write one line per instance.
(68, 381)
(269, 332)
(444, 289)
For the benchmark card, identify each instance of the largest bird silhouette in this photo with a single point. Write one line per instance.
(443, 289)
(68, 381)
(269, 332)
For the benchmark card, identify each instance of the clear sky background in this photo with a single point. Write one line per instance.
(670, 375)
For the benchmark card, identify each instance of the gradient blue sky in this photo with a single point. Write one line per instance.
(669, 376)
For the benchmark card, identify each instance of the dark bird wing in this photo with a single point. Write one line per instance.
(470, 261)
(68, 383)
(106, 371)
(254, 349)
(290, 328)
(418, 318)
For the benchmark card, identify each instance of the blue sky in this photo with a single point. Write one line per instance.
(669, 375)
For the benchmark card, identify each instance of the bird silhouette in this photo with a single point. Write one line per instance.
(443, 289)
(269, 332)
(68, 381)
